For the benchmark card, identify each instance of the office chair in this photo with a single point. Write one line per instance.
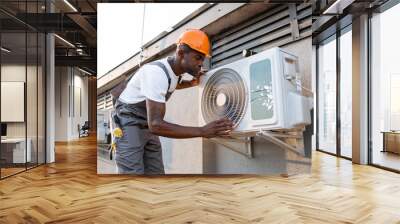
(84, 130)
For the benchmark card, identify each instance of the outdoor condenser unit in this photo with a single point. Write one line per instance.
(260, 92)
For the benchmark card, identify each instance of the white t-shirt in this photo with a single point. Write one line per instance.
(150, 82)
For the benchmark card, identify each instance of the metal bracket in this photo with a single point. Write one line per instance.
(227, 142)
(272, 137)
(294, 24)
(247, 139)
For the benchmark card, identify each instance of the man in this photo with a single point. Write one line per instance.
(140, 108)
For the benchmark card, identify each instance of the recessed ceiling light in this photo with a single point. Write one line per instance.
(64, 40)
(70, 5)
(5, 50)
(338, 6)
(84, 71)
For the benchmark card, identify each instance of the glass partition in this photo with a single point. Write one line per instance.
(22, 63)
(13, 94)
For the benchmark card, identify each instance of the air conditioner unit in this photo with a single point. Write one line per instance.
(260, 92)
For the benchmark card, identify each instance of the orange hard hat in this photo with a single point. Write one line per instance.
(197, 40)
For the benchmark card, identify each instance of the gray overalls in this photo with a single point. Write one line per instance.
(138, 150)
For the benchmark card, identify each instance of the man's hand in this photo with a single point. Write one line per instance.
(157, 125)
(216, 128)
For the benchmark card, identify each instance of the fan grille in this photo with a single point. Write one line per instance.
(224, 96)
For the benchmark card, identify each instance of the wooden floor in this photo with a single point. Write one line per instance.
(10, 171)
(70, 191)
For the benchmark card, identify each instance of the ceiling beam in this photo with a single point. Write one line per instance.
(85, 25)
(84, 61)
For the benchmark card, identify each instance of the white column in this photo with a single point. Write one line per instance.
(360, 90)
(50, 109)
(50, 93)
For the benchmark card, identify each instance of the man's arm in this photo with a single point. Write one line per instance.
(157, 125)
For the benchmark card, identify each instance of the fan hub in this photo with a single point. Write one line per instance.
(221, 99)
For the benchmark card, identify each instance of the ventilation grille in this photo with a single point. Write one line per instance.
(224, 96)
(104, 101)
(272, 28)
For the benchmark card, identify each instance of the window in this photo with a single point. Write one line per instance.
(346, 92)
(385, 89)
(327, 95)
(334, 94)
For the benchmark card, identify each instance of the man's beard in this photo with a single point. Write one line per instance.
(193, 72)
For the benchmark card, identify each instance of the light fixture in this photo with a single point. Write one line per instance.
(5, 50)
(337, 7)
(70, 5)
(84, 71)
(248, 52)
(80, 51)
(64, 40)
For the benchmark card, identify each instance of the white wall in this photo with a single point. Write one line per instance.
(71, 94)
(61, 103)
(183, 155)
(80, 104)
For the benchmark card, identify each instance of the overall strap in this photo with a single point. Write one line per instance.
(162, 66)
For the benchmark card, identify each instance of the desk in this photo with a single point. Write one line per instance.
(391, 141)
(13, 150)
